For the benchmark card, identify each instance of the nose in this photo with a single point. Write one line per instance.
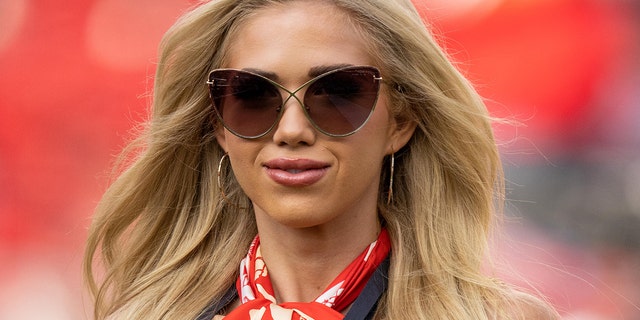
(294, 128)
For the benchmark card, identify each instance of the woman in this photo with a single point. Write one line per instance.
(336, 144)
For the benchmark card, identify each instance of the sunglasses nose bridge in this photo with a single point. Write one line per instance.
(287, 95)
(293, 97)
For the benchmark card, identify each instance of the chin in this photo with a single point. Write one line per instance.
(291, 217)
(296, 213)
(300, 222)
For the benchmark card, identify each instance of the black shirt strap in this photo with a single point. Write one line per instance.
(215, 307)
(366, 304)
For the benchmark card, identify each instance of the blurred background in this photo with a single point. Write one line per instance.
(75, 78)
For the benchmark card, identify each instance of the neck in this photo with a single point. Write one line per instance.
(302, 262)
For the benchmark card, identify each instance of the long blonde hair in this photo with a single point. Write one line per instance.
(169, 245)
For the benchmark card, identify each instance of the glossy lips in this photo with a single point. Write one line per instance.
(295, 172)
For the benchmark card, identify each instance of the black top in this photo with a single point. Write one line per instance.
(363, 308)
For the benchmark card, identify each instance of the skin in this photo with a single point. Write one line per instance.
(310, 229)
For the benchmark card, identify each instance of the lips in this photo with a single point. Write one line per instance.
(295, 172)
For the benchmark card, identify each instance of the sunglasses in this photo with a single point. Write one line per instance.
(337, 103)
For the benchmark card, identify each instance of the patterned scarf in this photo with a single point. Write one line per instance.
(258, 298)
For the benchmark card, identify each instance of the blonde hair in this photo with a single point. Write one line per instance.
(170, 246)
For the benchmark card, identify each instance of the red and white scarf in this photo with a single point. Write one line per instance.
(258, 298)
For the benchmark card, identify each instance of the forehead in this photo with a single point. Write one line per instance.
(297, 33)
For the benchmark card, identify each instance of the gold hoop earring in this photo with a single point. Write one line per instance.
(220, 187)
(223, 195)
(392, 167)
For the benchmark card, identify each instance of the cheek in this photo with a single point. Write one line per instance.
(375, 138)
(360, 177)
(246, 175)
(241, 162)
(363, 156)
(242, 155)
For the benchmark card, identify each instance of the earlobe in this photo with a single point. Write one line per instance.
(220, 137)
(402, 133)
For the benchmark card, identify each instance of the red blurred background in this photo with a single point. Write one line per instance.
(75, 77)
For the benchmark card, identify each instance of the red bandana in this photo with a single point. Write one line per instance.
(258, 299)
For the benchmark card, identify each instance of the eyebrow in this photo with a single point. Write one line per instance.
(313, 72)
(267, 74)
(318, 70)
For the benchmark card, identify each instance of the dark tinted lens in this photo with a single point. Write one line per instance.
(339, 103)
(247, 104)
